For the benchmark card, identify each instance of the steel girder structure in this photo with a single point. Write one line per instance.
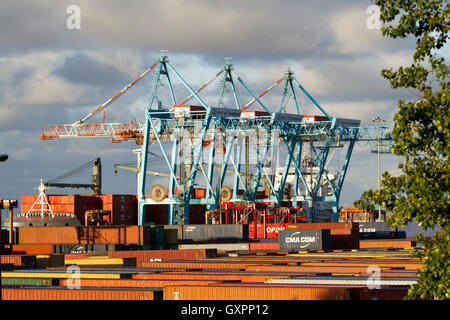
(322, 137)
(188, 135)
(194, 138)
(201, 133)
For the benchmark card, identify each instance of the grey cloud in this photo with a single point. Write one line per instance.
(21, 74)
(249, 29)
(82, 69)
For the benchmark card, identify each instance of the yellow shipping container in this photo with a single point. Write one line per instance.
(60, 275)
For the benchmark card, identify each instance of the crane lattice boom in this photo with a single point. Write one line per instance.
(128, 130)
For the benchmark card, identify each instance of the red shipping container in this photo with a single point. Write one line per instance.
(31, 248)
(271, 230)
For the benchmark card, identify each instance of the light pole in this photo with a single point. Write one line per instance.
(378, 120)
(3, 157)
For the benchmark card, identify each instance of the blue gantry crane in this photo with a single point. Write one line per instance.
(195, 130)
(268, 156)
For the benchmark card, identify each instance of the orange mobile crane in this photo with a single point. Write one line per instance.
(347, 214)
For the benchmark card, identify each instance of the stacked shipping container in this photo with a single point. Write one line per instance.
(85, 235)
(123, 207)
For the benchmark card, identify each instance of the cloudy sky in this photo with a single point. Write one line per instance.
(50, 74)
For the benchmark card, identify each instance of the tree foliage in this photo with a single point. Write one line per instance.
(421, 137)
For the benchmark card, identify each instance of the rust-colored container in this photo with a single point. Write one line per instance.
(48, 235)
(100, 235)
(264, 246)
(80, 294)
(85, 235)
(254, 293)
(383, 293)
(392, 243)
(21, 261)
(199, 193)
(136, 283)
(195, 265)
(143, 256)
(115, 235)
(31, 248)
(214, 276)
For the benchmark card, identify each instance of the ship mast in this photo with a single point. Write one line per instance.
(41, 203)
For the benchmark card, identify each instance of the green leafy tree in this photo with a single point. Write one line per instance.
(421, 137)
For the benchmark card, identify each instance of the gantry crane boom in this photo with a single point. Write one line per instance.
(262, 94)
(128, 130)
(118, 94)
(119, 131)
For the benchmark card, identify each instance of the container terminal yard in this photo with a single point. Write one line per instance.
(248, 208)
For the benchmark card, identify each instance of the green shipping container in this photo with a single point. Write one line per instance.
(157, 234)
(158, 246)
(144, 246)
(5, 235)
(29, 282)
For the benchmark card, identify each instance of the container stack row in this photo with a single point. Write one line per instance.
(211, 274)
